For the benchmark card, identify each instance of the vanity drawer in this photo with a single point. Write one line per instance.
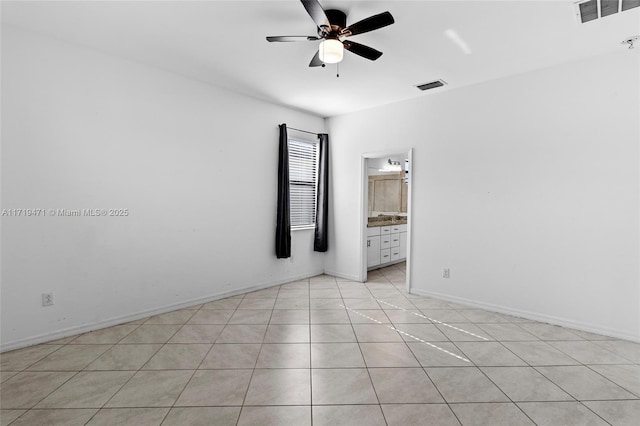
(399, 228)
(385, 256)
(395, 240)
(395, 253)
(385, 241)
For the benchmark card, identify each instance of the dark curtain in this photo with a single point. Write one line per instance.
(322, 206)
(283, 225)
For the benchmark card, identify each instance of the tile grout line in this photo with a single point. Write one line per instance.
(414, 356)
(367, 368)
(409, 335)
(162, 345)
(436, 321)
(432, 382)
(422, 368)
(502, 343)
(497, 387)
(76, 372)
(253, 370)
(173, 405)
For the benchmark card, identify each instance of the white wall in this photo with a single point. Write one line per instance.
(195, 165)
(526, 187)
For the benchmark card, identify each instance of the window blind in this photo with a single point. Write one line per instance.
(303, 172)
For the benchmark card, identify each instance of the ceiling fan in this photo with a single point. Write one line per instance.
(333, 31)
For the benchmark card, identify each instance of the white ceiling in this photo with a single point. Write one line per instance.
(223, 42)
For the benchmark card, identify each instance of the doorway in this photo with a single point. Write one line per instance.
(386, 212)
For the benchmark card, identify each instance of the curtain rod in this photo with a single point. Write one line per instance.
(303, 131)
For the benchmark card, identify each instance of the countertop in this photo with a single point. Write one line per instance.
(375, 222)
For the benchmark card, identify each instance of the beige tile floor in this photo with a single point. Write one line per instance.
(324, 351)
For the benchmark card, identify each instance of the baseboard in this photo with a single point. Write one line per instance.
(549, 319)
(85, 328)
(385, 265)
(343, 276)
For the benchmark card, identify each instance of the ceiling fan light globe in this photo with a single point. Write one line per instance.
(331, 51)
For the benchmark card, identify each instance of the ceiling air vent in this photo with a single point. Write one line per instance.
(590, 10)
(432, 85)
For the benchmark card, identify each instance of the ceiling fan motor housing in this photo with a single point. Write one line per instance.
(338, 20)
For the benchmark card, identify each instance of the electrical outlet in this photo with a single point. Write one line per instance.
(446, 273)
(47, 299)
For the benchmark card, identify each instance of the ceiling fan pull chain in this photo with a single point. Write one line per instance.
(338, 70)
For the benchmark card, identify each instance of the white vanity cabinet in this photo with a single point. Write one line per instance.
(373, 247)
(386, 244)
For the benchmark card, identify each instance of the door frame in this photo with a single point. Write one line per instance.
(364, 210)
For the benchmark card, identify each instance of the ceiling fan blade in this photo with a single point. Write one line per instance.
(292, 38)
(317, 13)
(369, 24)
(362, 50)
(316, 62)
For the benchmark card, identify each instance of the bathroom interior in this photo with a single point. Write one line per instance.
(387, 210)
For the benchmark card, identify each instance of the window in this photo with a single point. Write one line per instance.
(303, 182)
